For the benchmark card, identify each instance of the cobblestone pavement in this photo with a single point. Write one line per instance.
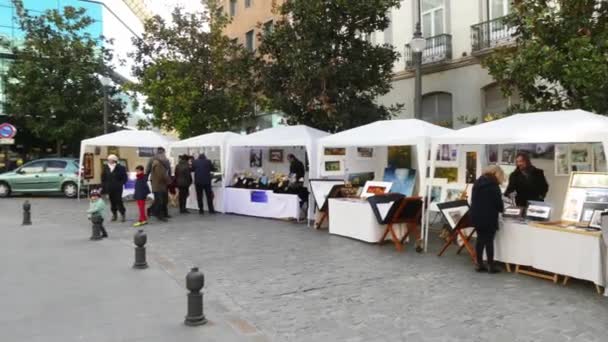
(280, 281)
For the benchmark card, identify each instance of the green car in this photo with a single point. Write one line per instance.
(50, 175)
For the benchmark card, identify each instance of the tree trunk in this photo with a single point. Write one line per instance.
(59, 143)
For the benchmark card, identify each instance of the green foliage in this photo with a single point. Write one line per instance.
(320, 71)
(52, 86)
(560, 60)
(196, 80)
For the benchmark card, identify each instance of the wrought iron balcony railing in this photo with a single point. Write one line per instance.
(492, 33)
(438, 49)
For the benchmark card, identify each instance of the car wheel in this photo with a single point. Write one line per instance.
(5, 190)
(70, 190)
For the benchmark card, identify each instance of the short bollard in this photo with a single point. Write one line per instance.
(27, 214)
(139, 239)
(96, 222)
(195, 281)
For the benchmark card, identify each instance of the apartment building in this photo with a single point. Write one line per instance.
(246, 15)
(454, 84)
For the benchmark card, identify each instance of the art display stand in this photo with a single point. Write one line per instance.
(458, 230)
(402, 210)
(322, 196)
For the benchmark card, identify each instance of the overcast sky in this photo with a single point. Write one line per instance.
(165, 7)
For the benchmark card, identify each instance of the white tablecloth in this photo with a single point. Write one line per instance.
(268, 204)
(566, 253)
(355, 219)
(218, 199)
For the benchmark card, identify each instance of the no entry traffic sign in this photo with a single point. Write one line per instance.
(7, 131)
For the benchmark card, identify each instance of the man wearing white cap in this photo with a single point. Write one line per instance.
(113, 179)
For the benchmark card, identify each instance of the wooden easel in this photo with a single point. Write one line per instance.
(457, 231)
(324, 216)
(411, 221)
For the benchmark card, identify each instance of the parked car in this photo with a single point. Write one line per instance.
(49, 175)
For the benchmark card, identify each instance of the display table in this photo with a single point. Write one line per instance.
(218, 199)
(261, 203)
(568, 252)
(355, 219)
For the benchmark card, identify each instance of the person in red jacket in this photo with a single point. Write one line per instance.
(142, 190)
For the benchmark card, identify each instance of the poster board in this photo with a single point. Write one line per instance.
(454, 211)
(587, 192)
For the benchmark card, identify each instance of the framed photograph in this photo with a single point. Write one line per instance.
(562, 160)
(449, 173)
(538, 211)
(596, 219)
(97, 150)
(403, 180)
(88, 165)
(507, 154)
(513, 212)
(365, 152)
(471, 167)
(589, 180)
(255, 158)
(335, 151)
(599, 158)
(543, 151)
(145, 152)
(454, 211)
(580, 154)
(492, 153)
(360, 178)
(333, 168)
(372, 188)
(275, 155)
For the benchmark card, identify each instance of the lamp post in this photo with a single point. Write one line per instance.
(105, 83)
(418, 44)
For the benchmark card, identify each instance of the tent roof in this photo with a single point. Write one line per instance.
(385, 133)
(211, 139)
(566, 126)
(299, 135)
(128, 138)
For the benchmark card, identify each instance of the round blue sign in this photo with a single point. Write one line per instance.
(7, 131)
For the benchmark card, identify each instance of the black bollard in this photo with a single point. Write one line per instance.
(139, 239)
(27, 214)
(96, 222)
(195, 281)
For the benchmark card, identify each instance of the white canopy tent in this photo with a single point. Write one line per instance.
(407, 132)
(126, 138)
(287, 137)
(568, 126)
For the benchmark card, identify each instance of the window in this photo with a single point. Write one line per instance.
(248, 3)
(437, 109)
(433, 17)
(249, 41)
(494, 102)
(268, 26)
(55, 166)
(499, 8)
(33, 167)
(232, 8)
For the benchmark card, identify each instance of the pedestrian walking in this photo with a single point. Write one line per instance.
(142, 190)
(97, 208)
(159, 204)
(486, 204)
(183, 180)
(160, 179)
(202, 182)
(113, 179)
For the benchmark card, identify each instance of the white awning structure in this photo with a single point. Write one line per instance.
(567, 126)
(126, 138)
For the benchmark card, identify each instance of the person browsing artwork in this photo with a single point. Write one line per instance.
(296, 167)
(527, 182)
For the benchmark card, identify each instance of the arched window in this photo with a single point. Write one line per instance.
(494, 102)
(437, 109)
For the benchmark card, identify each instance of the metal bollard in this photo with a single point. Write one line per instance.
(27, 214)
(96, 222)
(195, 281)
(139, 239)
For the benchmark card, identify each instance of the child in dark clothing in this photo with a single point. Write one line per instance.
(141, 194)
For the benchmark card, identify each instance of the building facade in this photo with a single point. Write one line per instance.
(455, 87)
(116, 20)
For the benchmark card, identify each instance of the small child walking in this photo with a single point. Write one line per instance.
(97, 208)
(141, 194)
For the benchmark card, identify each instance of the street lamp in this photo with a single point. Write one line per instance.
(418, 44)
(105, 83)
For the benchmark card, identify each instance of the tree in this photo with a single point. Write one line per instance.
(52, 86)
(560, 59)
(196, 79)
(320, 70)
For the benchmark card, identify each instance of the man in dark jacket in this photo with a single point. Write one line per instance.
(183, 180)
(296, 167)
(486, 204)
(159, 204)
(113, 179)
(528, 182)
(202, 182)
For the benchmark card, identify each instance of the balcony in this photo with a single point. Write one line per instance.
(491, 34)
(438, 49)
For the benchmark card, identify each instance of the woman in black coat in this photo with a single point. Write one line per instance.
(486, 204)
(113, 179)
